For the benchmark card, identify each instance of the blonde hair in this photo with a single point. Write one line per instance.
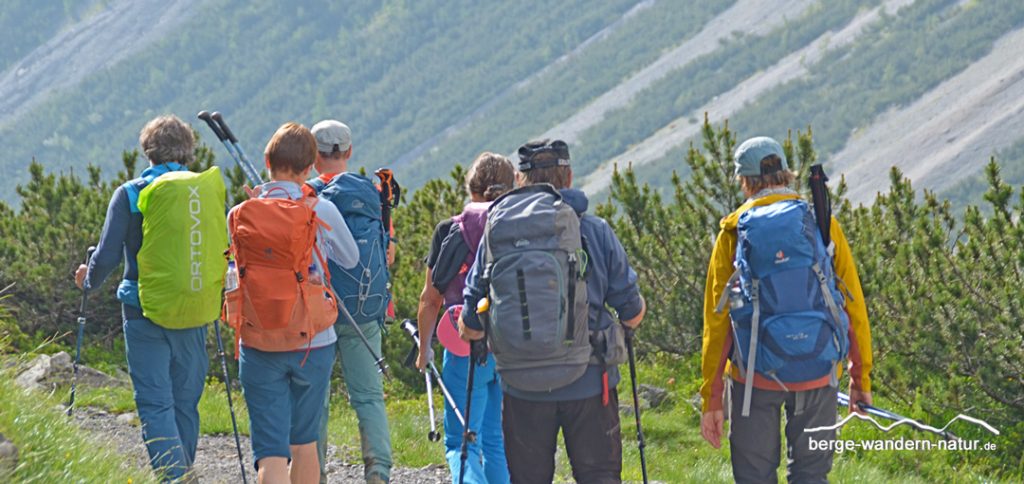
(490, 176)
(292, 148)
(167, 138)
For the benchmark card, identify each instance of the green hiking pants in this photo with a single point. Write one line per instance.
(366, 395)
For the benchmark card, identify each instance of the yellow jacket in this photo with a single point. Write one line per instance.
(717, 339)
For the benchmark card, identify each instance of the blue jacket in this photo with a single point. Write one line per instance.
(611, 281)
(122, 238)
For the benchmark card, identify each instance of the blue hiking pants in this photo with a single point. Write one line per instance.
(283, 391)
(168, 370)
(486, 461)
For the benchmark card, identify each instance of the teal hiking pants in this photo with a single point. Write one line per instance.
(366, 395)
(168, 370)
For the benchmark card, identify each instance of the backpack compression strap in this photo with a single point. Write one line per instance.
(834, 309)
(725, 293)
(748, 386)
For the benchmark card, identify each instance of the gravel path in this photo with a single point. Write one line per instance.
(217, 458)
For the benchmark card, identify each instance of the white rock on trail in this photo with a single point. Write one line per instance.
(46, 372)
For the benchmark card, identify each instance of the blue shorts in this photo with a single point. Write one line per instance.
(285, 400)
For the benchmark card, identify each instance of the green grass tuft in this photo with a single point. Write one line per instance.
(51, 448)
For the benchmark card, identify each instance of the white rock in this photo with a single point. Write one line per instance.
(37, 370)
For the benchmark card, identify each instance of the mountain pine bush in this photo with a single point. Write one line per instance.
(944, 292)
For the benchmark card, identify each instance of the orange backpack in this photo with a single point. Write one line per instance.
(276, 307)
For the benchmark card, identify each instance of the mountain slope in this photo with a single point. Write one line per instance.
(723, 106)
(394, 70)
(428, 84)
(84, 48)
(898, 61)
(947, 133)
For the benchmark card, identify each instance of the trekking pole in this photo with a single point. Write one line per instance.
(410, 327)
(81, 334)
(636, 401)
(844, 399)
(477, 355)
(432, 436)
(227, 386)
(238, 148)
(216, 123)
(382, 367)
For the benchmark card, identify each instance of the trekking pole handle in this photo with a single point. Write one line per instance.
(205, 116)
(88, 257)
(410, 328)
(478, 348)
(224, 127)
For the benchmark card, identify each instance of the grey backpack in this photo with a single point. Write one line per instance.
(534, 263)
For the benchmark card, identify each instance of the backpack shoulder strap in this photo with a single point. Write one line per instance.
(536, 188)
(316, 184)
(133, 188)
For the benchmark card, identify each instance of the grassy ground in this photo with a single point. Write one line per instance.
(51, 448)
(675, 451)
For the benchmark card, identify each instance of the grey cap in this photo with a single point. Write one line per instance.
(330, 133)
(749, 154)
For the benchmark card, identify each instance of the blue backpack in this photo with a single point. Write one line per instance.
(365, 288)
(786, 309)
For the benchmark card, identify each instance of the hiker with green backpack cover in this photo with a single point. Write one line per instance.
(551, 271)
(169, 227)
(783, 313)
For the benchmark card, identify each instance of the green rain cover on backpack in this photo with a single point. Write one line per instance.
(184, 236)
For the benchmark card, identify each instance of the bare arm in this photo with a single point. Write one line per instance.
(426, 318)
